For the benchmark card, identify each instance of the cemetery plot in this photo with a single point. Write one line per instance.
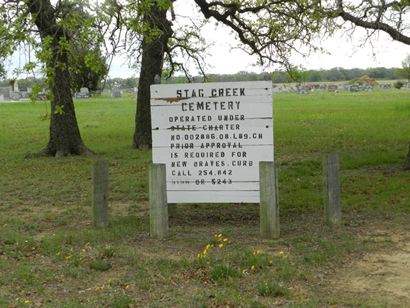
(211, 138)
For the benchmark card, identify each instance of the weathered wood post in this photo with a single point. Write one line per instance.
(158, 206)
(331, 184)
(100, 193)
(269, 203)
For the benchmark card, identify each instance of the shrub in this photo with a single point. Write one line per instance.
(398, 85)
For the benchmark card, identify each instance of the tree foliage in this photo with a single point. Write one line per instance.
(87, 67)
(269, 30)
(49, 29)
(389, 16)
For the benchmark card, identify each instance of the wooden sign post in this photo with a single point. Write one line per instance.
(331, 182)
(269, 204)
(211, 137)
(158, 205)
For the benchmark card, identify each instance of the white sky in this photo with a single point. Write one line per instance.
(342, 51)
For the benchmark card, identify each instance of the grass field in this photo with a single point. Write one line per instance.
(51, 256)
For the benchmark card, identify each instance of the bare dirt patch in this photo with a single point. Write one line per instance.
(379, 277)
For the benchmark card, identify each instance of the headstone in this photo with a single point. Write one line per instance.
(84, 93)
(5, 91)
(15, 96)
(332, 87)
(116, 93)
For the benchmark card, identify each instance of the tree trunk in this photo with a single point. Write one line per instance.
(407, 161)
(65, 138)
(151, 65)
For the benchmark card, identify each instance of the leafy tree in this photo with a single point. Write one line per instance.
(388, 16)
(398, 85)
(269, 30)
(49, 28)
(87, 67)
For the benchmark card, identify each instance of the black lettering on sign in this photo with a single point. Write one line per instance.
(227, 92)
(217, 105)
(178, 164)
(186, 93)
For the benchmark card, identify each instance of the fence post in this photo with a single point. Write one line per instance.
(331, 184)
(158, 210)
(269, 201)
(100, 193)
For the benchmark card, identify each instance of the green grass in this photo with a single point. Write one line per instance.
(51, 255)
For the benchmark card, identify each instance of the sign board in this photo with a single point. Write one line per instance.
(212, 136)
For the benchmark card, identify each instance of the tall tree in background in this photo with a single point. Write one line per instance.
(88, 61)
(87, 67)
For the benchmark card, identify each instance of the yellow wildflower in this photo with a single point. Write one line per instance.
(17, 299)
(221, 245)
(26, 302)
(225, 239)
(252, 267)
(244, 271)
(281, 253)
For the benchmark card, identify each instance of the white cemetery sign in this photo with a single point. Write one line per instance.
(211, 137)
